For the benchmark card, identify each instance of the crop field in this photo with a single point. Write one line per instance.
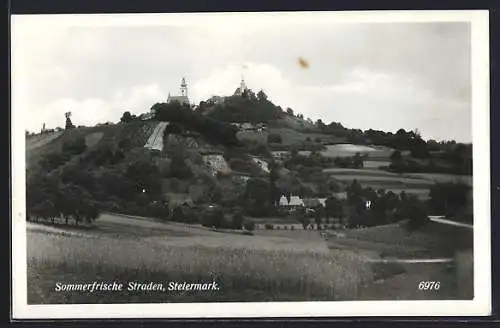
(142, 250)
(412, 183)
(375, 164)
(344, 150)
(441, 177)
(268, 266)
(377, 155)
(379, 179)
(289, 136)
(387, 181)
(359, 172)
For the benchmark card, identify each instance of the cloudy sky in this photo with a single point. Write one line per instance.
(365, 75)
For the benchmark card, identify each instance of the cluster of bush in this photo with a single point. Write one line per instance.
(352, 162)
(214, 217)
(412, 166)
(56, 159)
(270, 226)
(249, 107)
(212, 129)
(48, 198)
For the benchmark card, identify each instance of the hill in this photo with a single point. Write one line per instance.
(200, 157)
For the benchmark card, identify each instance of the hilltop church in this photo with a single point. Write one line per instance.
(183, 98)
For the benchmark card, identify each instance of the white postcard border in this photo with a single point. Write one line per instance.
(480, 306)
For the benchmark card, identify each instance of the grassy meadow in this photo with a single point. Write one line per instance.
(268, 266)
(247, 268)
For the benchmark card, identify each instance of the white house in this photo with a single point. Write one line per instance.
(295, 201)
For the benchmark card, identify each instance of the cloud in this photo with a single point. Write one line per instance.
(90, 111)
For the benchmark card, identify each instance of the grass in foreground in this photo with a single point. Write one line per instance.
(242, 274)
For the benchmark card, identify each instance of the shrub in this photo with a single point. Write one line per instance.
(292, 227)
(236, 221)
(285, 228)
(269, 226)
(213, 217)
(274, 138)
(74, 147)
(249, 225)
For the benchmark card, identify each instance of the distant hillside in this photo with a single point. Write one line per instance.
(184, 156)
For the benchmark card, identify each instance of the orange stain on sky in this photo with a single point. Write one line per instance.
(303, 63)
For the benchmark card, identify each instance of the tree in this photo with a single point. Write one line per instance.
(300, 216)
(318, 215)
(396, 156)
(261, 96)
(69, 124)
(126, 117)
(249, 225)
(357, 161)
(273, 177)
(447, 198)
(274, 138)
(145, 177)
(178, 167)
(258, 191)
(125, 144)
(416, 212)
(289, 111)
(237, 221)
(74, 146)
(333, 208)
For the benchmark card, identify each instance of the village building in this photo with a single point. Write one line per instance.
(281, 155)
(294, 203)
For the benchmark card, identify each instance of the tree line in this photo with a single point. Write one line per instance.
(212, 129)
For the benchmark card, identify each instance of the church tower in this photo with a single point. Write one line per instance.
(241, 89)
(243, 86)
(184, 90)
(183, 98)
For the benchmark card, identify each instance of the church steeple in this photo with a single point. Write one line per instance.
(243, 86)
(184, 90)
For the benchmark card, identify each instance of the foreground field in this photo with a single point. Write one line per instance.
(276, 269)
(268, 266)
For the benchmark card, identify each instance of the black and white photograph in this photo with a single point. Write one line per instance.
(279, 164)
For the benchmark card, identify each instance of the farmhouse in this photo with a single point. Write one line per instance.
(294, 202)
(281, 155)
